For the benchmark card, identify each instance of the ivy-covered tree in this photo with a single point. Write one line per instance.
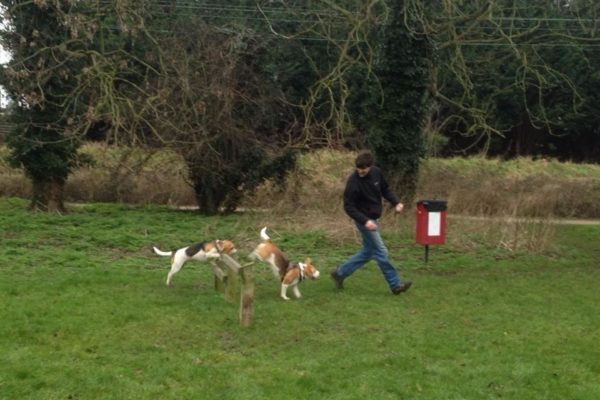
(398, 105)
(37, 79)
(69, 63)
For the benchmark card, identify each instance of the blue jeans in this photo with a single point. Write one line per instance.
(373, 247)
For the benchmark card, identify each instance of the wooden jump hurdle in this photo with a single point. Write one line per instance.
(229, 275)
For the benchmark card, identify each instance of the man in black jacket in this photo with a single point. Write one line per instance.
(365, 189)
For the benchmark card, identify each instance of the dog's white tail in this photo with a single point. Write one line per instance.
(263, 234)
(162, 253)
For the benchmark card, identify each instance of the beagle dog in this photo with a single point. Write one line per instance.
(202, 251)
(290, 274)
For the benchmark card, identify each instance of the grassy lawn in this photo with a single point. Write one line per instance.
(85, 314)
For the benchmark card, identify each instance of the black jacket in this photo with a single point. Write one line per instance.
(362, 197)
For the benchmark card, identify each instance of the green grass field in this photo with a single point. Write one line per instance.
(85, 314)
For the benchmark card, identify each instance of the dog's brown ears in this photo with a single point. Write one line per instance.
(308, 261)
(225, 246)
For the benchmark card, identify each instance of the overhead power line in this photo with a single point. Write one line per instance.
(543, 44)
(229, 8)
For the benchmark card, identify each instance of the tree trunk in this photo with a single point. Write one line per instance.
(404, 184)
(524, 139)
(206, 199)
(48, 195)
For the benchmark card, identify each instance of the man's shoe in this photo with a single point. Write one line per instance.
(403, 287)
(339, 281)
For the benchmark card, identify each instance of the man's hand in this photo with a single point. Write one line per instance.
(371, 225)
(399, 207)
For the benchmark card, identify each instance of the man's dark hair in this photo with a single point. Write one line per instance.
(364, 160)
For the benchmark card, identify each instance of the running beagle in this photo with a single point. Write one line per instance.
(202, 251)
(290, 274)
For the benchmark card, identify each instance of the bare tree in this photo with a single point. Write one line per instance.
(506, 68)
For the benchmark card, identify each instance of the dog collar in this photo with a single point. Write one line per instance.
(301, 266)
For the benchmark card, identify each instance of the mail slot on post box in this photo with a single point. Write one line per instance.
(431, 223)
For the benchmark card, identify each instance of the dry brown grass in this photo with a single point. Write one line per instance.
(315, 185)
(130, 176)
(515, 200)
(512, 205)
(521, 188)
(512, 234)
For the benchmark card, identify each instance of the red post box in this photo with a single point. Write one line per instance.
(431, 223)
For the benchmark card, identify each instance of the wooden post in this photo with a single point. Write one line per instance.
(231, 278)
(246, 295)
(220, 278)
(230, 281)
(230, 262)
